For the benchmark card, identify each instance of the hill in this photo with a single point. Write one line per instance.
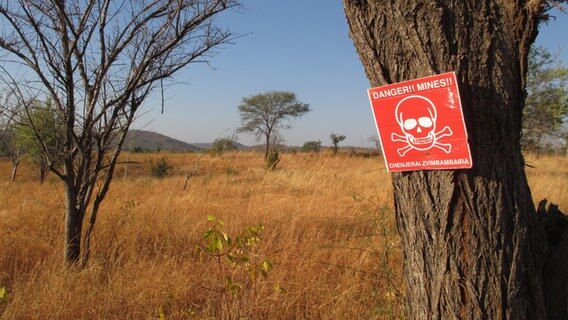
(152, 141)
(207, 145)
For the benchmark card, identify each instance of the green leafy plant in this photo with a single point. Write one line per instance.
(3, 295)
(239, 265)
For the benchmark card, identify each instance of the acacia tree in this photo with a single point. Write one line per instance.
(264, 113)
(471, 240)
(335, 140)
(98, 60)
(546, 106)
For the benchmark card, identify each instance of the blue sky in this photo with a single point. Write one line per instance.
(296, 45)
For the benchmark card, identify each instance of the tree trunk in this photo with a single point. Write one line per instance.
(43, 171)
(472, 244)
(267, 148)
(73, 224)
(73, 230)
(14, 171)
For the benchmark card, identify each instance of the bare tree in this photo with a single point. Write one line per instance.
(374, 138)
(98, 60)
(472, 242)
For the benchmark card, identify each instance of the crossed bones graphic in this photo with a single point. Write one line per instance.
(447, 148)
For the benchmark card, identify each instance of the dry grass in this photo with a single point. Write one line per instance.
(329, 232)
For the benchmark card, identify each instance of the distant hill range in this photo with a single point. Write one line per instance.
(151, 141)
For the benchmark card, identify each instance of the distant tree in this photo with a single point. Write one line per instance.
(7, 112)
(12, 150)
(224, 144)
(263, 114)
(99, 60)
(546, 105)
(335, 140)
(9, 147)
(311, 146)
(376, 142)
(41, 121)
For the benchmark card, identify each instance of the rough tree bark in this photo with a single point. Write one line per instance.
(473, 246)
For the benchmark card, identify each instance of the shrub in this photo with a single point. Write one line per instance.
(311, 146)
(161, 168)
(273, 159)
(221, 145)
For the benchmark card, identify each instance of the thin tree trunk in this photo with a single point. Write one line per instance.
(267, 148)
(14, 171)
(43, 171)
(471, 239)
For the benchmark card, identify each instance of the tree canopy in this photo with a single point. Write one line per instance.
(263, 114)
(335, 140)
(41, 121)
(546, 105)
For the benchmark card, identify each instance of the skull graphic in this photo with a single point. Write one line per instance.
(416, 116)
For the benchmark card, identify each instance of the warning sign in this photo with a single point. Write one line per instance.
(420, 124)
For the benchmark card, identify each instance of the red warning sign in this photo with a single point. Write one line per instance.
(420, 124)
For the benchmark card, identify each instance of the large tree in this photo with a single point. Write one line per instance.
(473, 247)
(98, 61)
(264, 113)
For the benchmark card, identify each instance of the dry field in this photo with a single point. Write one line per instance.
(329, 235)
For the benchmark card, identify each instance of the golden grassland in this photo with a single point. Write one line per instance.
(329, 233)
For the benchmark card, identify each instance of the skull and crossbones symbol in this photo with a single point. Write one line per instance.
(416, 116)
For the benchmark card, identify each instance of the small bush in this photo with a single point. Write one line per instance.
(311, 146)
(273, 159)
(161, 168)
(222, 145)
(138, 149)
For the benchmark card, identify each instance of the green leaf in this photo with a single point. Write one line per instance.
(226, 237)
(218, 244)
(3, 295)
(208, 233)
(279, 289)
(265, 268)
